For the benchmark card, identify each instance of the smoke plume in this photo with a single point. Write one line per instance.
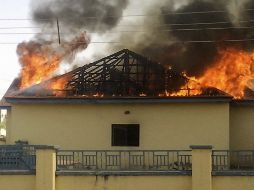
(91, 15)
(42, 57)
(171, 38)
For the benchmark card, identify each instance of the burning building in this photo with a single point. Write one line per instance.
(124, 113)
(129, 90)
(122, 74)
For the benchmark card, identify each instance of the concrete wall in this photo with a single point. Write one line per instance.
(162, 126)
(241, 127)
(17, 182)
(27, 182)
(123, 182)
(201, 178)
(233, 183)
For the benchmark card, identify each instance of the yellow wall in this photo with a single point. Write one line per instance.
(162, 126)
(241, 127)
(123, 183)
(233, 183)
(8, 126)
(45, 169)
(201, 169)
(17, 182)
(27, 182)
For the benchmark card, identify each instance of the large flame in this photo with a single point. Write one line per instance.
(37, 66)
(40, 61)
(232, 72)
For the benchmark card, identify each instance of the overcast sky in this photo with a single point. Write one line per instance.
(9, 62)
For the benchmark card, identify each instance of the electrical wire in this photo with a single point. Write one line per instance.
(156, 25)
(134, 15)
(173, 41)
(131, 31)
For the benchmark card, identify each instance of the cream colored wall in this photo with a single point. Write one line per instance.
(162, 126)
(17, 182)
(45, 169)
(27, 182)
(8, 126)
(242, 127)
(201, 169)
(233, 183)
(2, 142)
(123, 182)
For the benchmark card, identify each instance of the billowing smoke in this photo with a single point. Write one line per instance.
(90, 15)
(189, 42)
(182, 34)
(42, 57)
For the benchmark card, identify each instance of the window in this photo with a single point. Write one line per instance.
(125, 134)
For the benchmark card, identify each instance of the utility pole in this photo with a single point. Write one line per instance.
(58, 31)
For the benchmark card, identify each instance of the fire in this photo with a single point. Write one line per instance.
(191, 88)
(37, 66)
(60, 83)
(231, 73)
(40, 60)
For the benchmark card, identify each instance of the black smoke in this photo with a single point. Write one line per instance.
(91, 15)
(193, 58)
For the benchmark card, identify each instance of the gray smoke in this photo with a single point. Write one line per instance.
(163, 36)
(166, 34)
(90, 15)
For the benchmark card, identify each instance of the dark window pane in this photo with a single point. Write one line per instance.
(125, 134)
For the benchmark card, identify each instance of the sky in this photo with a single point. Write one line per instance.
(9, 61)
(20, 9)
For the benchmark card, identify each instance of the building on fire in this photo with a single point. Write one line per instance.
(126, 113)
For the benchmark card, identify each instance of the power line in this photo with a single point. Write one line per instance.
(173, 41)
(132, 31)
(157, 25)
(19, 27)
(133, 15)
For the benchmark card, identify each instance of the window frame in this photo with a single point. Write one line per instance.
(128, 143)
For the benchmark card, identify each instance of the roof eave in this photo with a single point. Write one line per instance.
(242, 102)
(116, 100)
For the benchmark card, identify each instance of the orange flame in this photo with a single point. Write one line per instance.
(59, 83)
(191, 88)
(231, 73)
(40, 61)
(38, 67)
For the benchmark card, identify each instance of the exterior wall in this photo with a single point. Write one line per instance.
(2, 142)
(27, 182)
(123, 182)
(233, 183)
(162, 126)
(201, 178)
(8, 126)
(17, 182)
(241, 127)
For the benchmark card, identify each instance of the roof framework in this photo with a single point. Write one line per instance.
(124, 73)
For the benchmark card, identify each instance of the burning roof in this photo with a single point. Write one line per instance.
(122, 74)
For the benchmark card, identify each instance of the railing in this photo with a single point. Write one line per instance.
(111, 160)
(224, 160)
(17, 157)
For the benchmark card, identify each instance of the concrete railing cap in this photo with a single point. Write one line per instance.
(41, 147)
(201, 147)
